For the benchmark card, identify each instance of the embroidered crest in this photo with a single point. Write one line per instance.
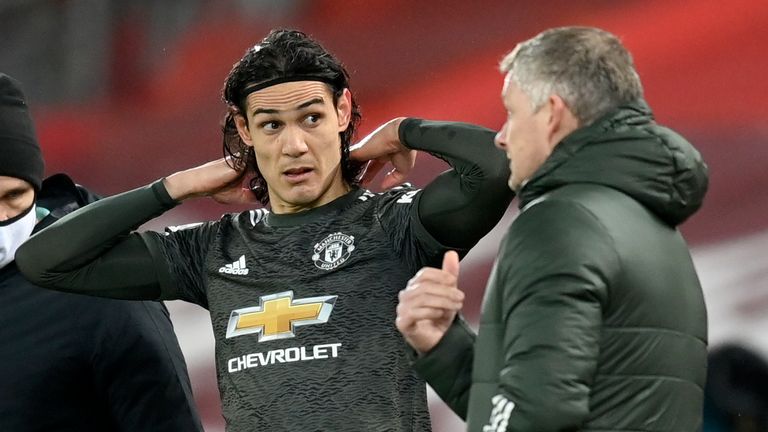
(333, 251)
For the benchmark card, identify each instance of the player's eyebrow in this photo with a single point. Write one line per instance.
(301, 106)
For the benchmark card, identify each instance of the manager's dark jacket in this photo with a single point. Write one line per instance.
(594, 318)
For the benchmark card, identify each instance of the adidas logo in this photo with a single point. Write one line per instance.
(238, 267)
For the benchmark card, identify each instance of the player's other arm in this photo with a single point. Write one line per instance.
(93, 250)
(462, 204)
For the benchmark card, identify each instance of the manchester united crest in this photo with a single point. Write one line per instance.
(333, 251)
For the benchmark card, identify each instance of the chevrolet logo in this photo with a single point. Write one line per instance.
(278, 315)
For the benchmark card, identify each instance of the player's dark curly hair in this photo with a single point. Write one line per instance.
(283, 53)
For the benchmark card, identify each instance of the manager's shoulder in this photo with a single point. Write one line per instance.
(560, 213)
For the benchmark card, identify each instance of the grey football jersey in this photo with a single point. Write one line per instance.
(303, 311)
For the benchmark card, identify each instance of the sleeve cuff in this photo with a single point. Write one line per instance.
(162, 195)
(406, 128)
(433, 363)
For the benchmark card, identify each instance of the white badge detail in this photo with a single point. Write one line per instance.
(333, 251)
(172, 229)
(502, 409)
(407, 197)
(236, 268)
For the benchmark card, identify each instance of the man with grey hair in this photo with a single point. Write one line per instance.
(593, 318)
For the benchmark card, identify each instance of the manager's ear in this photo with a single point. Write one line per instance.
(561, 121)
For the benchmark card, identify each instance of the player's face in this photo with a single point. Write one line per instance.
(525, 135)
(294, 130)
(16, 195)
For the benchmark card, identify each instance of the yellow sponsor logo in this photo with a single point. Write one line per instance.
(278, 316)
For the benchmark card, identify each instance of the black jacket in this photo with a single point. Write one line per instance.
(70, 362)
(594, 318)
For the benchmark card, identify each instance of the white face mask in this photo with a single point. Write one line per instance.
(15, 232)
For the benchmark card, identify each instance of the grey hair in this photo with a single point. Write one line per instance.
(587, 67)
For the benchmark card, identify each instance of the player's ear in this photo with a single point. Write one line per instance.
(242, 129)
(344, 109)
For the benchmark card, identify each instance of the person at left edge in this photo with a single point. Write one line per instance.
(70, 362)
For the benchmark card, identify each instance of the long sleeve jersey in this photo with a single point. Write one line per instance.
(302, 305)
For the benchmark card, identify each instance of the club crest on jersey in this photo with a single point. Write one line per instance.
(333, 251)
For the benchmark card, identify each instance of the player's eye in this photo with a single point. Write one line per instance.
(270, 126)
(312, 119)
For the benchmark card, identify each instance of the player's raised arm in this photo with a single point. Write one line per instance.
(93, 251)
(462, 204)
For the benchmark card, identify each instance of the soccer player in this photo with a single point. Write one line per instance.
(70, 362)
(302, 298)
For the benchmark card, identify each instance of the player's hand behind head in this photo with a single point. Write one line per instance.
(381, 147)
(216, 179)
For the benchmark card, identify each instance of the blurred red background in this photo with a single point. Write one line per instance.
(149, 105)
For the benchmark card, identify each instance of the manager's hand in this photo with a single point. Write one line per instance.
(429, 304)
